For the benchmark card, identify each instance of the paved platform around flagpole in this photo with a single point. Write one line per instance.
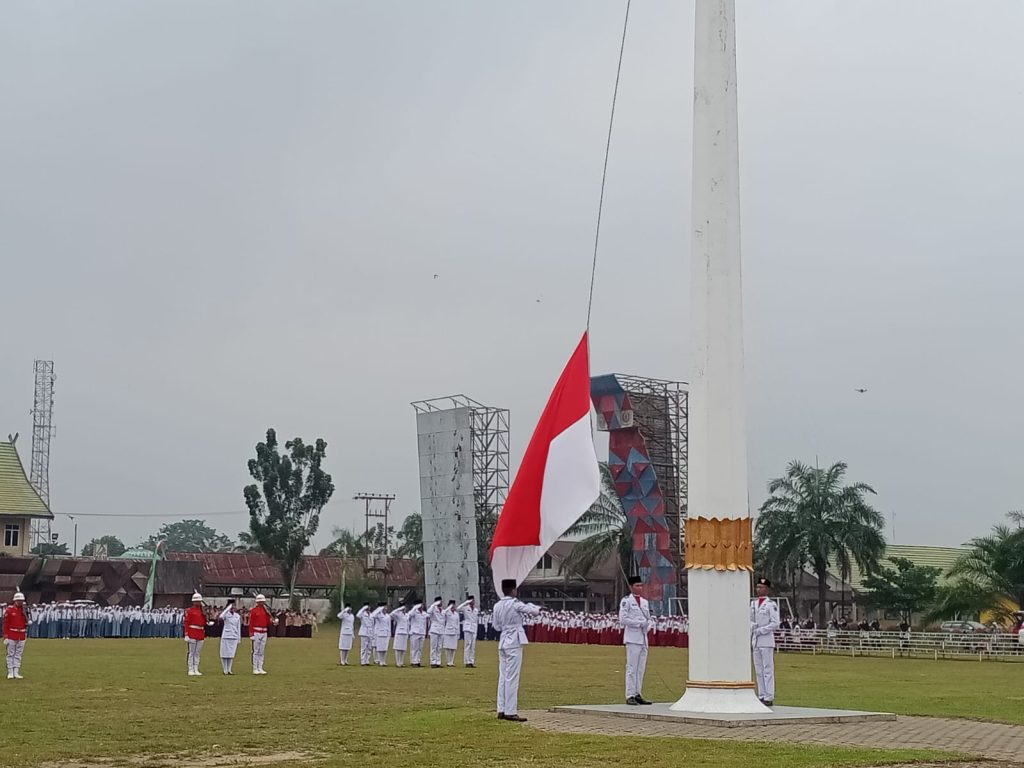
(777, 715)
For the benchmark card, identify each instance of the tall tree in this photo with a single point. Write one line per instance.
(285, 502)
(811, 516)
(410, 537)
(189, 536)
(603, 532)
(989, 576)
(907, 588)
(113, 546)
(46, 548)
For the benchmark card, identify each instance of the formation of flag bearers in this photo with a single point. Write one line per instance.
(406, 630)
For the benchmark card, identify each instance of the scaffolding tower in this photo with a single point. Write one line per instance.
(661, 411)
(42, 431)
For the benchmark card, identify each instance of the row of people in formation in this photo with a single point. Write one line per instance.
(407, 629)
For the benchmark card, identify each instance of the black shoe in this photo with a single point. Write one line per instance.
(435, 666)
(770, 703)
(642, 700)
(471, 666)
(514, 718)
(632, 701)
(501, 715)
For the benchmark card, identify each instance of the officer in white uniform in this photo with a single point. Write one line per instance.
(450, 638)
(417, 633)
(764, 621)
(635, 619)
(346, 634)
(470, 621)
(365, 636)
(508, 621)
(230, 636)
(436, 616)
(400, 618)
(382, 633)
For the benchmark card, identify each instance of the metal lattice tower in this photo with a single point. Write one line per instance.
(661, 411)
(42, 431)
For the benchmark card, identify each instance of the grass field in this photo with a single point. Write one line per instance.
(86, 701)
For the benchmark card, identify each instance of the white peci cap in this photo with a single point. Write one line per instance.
(261, 599)
(197, 598)
(19, 596)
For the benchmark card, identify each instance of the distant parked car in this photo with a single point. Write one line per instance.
(962, 627)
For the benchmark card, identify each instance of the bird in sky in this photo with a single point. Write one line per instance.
(860, 391)
(435, 277)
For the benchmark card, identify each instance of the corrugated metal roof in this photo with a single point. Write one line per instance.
(17, 496)
(245, 569)
(932, 557)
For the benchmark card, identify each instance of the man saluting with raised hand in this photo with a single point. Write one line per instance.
(635, 619)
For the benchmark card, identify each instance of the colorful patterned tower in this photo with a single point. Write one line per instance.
(647, 459)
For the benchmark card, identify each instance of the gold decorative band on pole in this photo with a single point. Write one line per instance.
(720, 545)
(719, 684)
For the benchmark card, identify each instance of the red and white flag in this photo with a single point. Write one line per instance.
(557, 481)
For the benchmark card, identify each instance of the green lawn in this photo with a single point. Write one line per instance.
(90, 700)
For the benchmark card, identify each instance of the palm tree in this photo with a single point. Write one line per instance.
(989, 577)
(812, 518)
(605, 532)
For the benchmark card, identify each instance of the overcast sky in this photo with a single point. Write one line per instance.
(219, 217)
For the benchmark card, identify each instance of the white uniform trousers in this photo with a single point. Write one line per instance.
(469, 648)
(416, 649)
(195, 648)
(510, 664)
(259, 650)
(365, 650)
(764, 669)
(636, 666)
(435, 650)
(14, 650)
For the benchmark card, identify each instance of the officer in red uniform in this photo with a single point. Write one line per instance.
(15, 632)
(260, 622)
(195, 633)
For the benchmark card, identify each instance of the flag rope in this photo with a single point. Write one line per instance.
(604, 172)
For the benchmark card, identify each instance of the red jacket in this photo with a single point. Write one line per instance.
(195, 623)
(259, 620)
(15, 623)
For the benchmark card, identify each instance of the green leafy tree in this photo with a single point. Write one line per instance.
(907, 588)
(189, 536)
(49, 549)
(359, 591)
(812, 517)
(603, 532)
(246, 543)
(988, 577)
(285, 502)
(410, 538)
(114, 546)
